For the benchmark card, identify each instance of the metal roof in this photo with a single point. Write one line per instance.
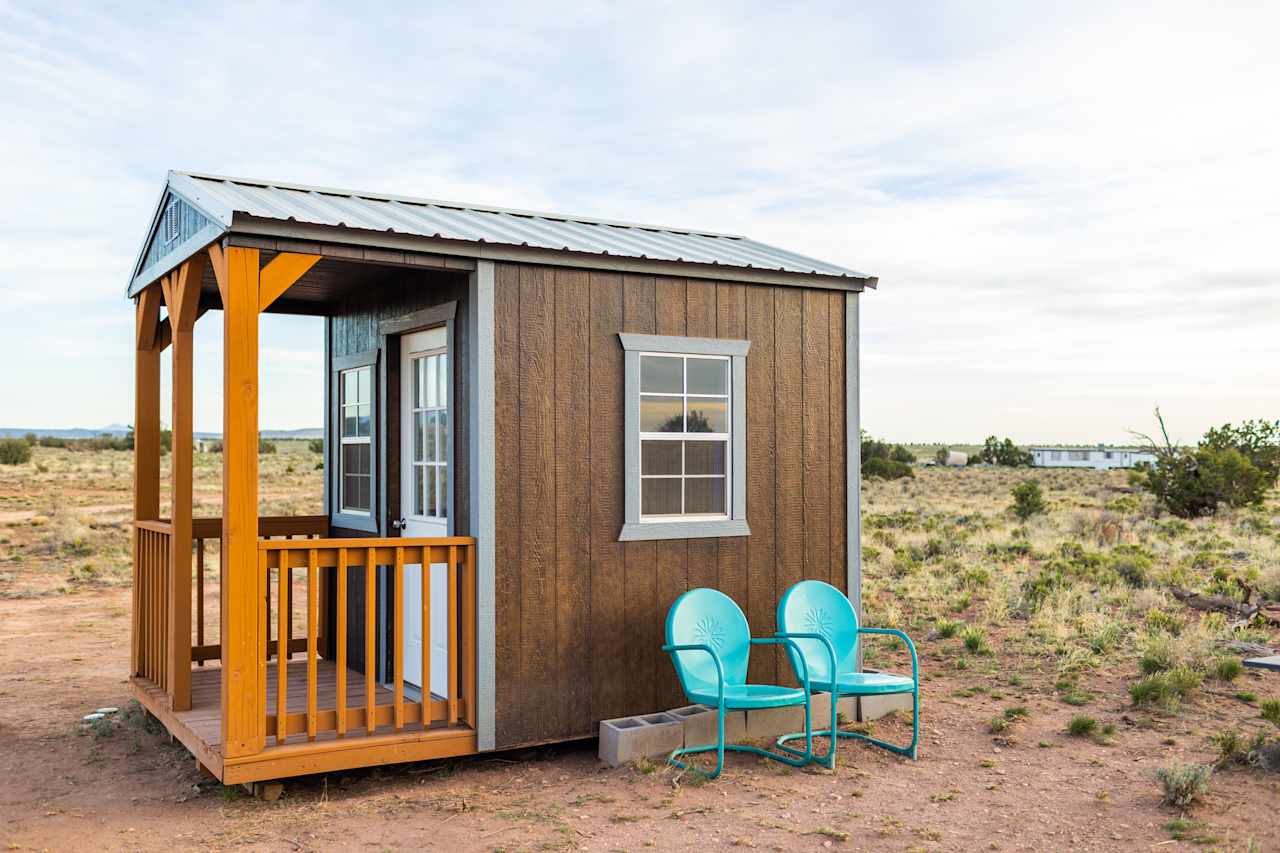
(223, 198)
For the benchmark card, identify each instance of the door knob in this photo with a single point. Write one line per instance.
(398, 524)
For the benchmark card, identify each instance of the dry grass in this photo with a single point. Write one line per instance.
(64, 516)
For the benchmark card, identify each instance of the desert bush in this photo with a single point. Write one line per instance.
(1227, 669)
(14, 451)
(316, 445)
(1158, 655)
(1082, 726)
(976, 641)
(1165, 689)
(265, 447)
(997, 452)
(1183, 784)
(886, 469)
(1028, 500)
(30, 438)
(1232, 466)
(1271, 711)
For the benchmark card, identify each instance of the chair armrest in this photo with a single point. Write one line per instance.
(787, 641)
(831, 649)
(702, 647)
(911, 647)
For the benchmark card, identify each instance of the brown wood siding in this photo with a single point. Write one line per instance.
(580, 616)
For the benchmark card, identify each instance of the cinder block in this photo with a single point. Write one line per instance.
(821, 703)
(648, 736)
(875, 707)
(772, 722)
(700, 725)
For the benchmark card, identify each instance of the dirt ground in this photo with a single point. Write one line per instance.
(1025, 784)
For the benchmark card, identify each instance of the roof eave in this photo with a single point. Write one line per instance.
(339, 234)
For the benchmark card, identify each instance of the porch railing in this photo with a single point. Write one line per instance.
(152, 543)
(344, 560)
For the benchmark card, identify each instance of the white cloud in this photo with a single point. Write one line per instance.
(1072, 209)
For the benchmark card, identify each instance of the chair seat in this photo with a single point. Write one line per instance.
(866, 684)
(748, 696)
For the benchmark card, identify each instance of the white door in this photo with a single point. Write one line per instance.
(425, 479)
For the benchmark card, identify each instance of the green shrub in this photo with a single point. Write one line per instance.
(316, 445)
(1271, 711)
(1227, 669)
(948, 629)
(1232, 466)
(14, 451)
(1028, 500)
(1082, 726)
(1158, 655)
(1183, 784)
(265, 446)
(886, 469)
(997, 452)
(1159, 620)
(1017, 712)
(975, 641)
(1165, 689)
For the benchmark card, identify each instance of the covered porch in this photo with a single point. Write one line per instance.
(272, 646)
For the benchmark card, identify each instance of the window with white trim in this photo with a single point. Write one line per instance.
(355, 458)
(685, 437)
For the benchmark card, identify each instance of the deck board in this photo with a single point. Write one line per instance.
(200, 728)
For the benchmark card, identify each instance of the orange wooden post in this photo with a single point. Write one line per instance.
(370, 594)
(284, 607)
(182, 294)
(146, 453)
(426, 637)
(243, 669)
(469, 617)
(398, 644)
(342, 642)
(313, 607)
(452, 644)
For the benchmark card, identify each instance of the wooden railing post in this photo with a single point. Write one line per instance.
(182, 295)
(146, 448)
(243, 588)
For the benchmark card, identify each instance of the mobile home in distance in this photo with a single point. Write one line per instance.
(568, 421)
(1100, 457)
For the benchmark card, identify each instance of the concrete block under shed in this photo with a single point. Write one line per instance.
(700, 725)
(875, 707)
(821, 703)
(647, 736)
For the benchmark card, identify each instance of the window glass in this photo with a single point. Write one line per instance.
(661, 414)
(661, 375)
(682, 397)
(708, 376)
(355, 428)
(708, 414)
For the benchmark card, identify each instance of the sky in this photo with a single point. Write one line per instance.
(1073, 209)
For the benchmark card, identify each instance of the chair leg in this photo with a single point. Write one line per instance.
(800, 760)
(829, 760)
(911, 751)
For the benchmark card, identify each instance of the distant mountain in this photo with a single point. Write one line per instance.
(122, 429)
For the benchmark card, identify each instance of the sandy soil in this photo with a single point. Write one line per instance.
(1031, 788)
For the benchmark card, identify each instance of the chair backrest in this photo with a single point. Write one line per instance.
(708, 617)
(814, 607)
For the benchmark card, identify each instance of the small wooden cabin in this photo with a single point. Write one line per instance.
(569, 421)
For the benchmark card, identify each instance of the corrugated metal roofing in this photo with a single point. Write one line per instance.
(223, 197)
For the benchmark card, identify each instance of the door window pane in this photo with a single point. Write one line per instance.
(429, 453)
(442, 507)
(661, 375)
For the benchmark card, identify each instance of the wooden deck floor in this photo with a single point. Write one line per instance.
(200, 728)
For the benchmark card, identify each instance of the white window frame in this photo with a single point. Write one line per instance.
(733, 522)
(441, 495)
(345, 441)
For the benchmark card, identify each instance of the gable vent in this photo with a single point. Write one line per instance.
(172, 223)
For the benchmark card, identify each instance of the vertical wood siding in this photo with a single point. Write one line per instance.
(580, 615)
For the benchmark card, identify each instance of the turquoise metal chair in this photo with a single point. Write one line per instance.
(710, 645)
(821, 609)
